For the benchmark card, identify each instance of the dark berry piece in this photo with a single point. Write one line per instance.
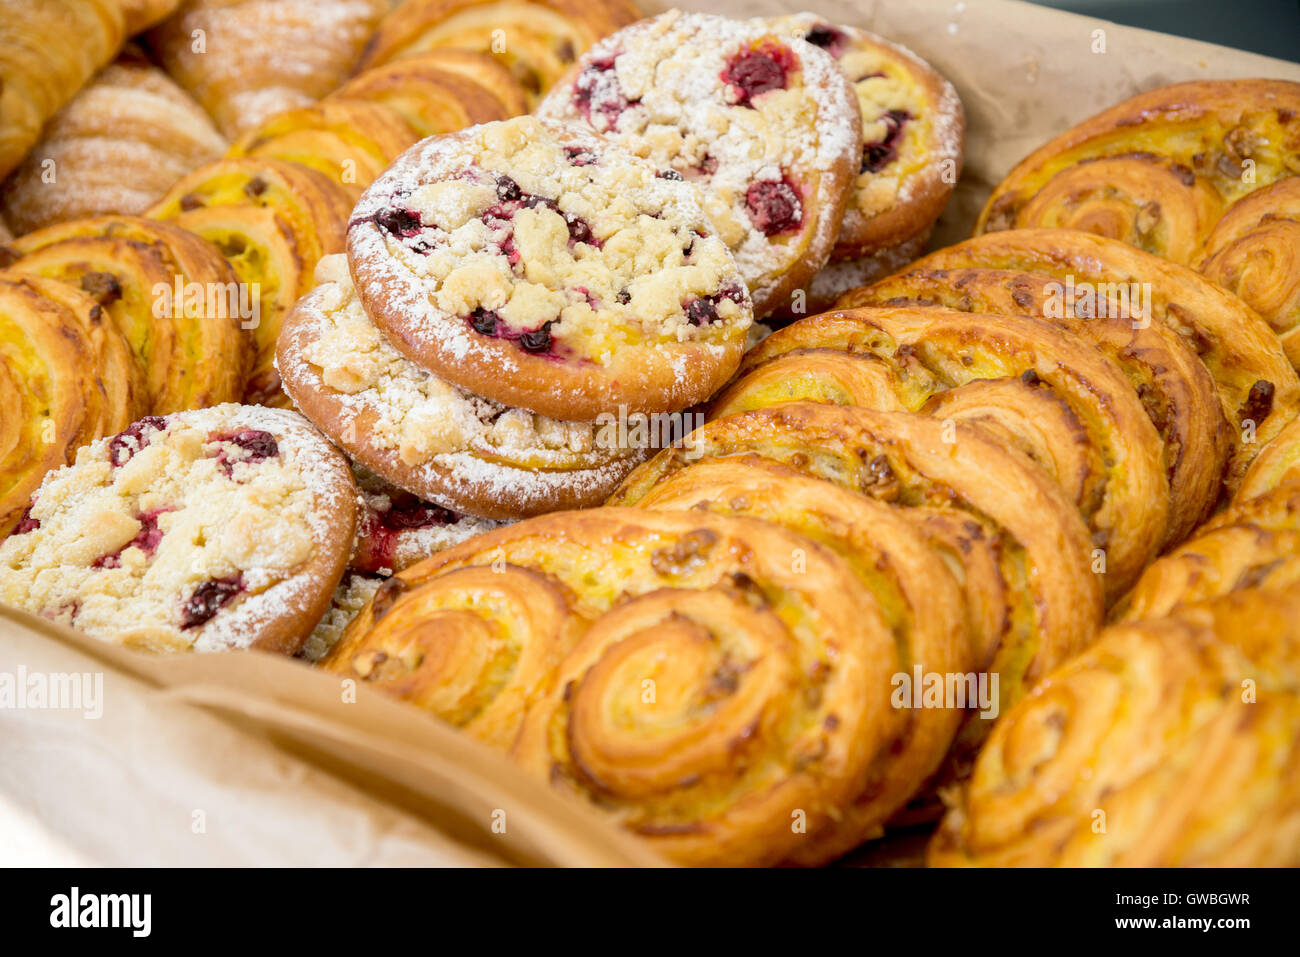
(876, 156)
(208, 599)
(579, 230)
(701, 311)
(532, 202)
(134, 438)
(773, 206)
(669, 174)
(623, 297)
(484, 321)
(579, 156)
(538, 340)
(760, 70)
(147, 539)
(258, 444)
(508, 190)
(597, 93)
(410, 512)
(399, 222)
(827, 37)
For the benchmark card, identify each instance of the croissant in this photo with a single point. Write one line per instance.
(1032, 595)
(1254, 251)
(171, 295)
(247, 60)
(117, 147)
(537, 39)
(1167, 743)
(1169, 378)
(1277, 464)
(1258, 388)
(349, 141)
(273, 221)
(673, 670)
(49, 49)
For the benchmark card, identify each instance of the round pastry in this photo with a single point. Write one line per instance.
(1277, 464)
(1172, 383)
(398, 529)
(273, 221)
(1037, 387)
(538, 265)
(430, 97)
(349, 141)
(1254, 251)
(212, 530)
(1258, 388)
(544, 36)
(913, 128)
(707, 681)
(1148, 750)
(175, 300)
(423, 434)
(764, 124)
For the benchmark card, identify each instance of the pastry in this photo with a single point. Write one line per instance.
(247, 60)
(349, 141)
(764, 124)
(913, 129)
(115, 148)
(485, 70)
(142, 14)
(1254, 251)
(1278, 463)
(1258, 389)
(354, 591)
(453, 448)
(672, 670)
(169, 292)
(213, 530)
(1172, 383)
(49, 50)
(273, 221)
(537, 40)
(538, 265)
(1037, 387)
(1168, 743)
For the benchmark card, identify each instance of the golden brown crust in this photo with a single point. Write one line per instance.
(482, 68)
(143, 14)
(1277, 464)
(1172, 383)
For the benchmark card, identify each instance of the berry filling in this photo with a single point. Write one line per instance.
(487, 323)
(764, 68)
(774, 206)
(876, 156)
(578, 156)
(134, 438)
(512, 199)
(827, 37)
(704, 310)
(208, 599)
(405, 513)
(256, 445)
(597, 91)
(26, 523)
(146, 539)
(402, 223)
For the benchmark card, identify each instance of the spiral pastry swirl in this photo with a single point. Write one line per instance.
(1167, 743)
(718, 697)
(1169, 378)
(1277, 464)
(1038, 387)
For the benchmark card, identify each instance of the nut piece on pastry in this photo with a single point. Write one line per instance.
(1034, 385)
(213, 530)
(49, 49)
(273, 221)
(247, 60)
(538, 265)
(542, 38)
(765, 125)
(121, 142)
(171, 295)
(1179, 734)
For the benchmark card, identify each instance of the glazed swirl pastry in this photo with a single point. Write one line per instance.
(699, 691)
(272, 221)
(1254, 251)
(191, 347)
(544, 36)
(1036, 386)
(1277, 464)
(1158, 169)
(1167, 743)
(764, 124)
(1258, 388)
(1032, 596)
(1164, 370)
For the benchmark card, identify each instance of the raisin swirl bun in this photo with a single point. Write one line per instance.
(1254, 251)
(191, 347)
(1258, 388)
(540, 266)
(1036, 386)
(544, 36)
(247, 60)
(272, 221)
(1158, 169)
(1167, 743)
(209, 530)
(765, 125)
(1174, 386)
(1277, 464)
(703, 693)
(1024, 552)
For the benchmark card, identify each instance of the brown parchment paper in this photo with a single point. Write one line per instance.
(280, 769)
